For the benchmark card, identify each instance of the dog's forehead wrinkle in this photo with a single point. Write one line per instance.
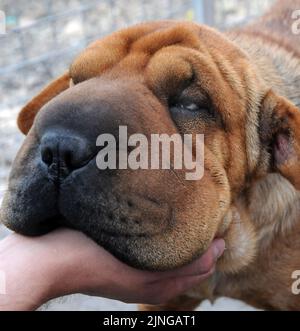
(178, 35)
(109, 52)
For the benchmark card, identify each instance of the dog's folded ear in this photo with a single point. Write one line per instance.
(280, 135)
(28, 113)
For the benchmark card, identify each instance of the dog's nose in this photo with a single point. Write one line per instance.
(63, 153)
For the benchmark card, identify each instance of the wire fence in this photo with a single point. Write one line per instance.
(43, 36)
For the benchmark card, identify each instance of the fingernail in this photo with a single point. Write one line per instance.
(219, 247)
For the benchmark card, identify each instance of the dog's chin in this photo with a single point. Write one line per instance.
(141, 251)
(127, 250)
(150, 253)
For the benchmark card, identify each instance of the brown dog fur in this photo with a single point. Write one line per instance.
(263, 240)
(272, 203)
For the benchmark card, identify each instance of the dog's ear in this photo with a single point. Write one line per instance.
(280, 133)
(28, 113)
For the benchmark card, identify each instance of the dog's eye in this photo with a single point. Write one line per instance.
(190, 106)
(186, 109)
(193, 108)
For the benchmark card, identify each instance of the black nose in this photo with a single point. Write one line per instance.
(63, 153)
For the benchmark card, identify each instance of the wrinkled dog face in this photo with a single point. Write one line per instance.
(154, 78)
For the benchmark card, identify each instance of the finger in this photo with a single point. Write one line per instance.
(170, 288)
(201, 265)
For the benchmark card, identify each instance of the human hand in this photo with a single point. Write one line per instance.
(65, 261)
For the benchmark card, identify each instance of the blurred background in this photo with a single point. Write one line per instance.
(42, 37)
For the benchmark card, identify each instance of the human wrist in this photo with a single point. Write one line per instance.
(30, 272)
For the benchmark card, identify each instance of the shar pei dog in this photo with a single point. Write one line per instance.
(240, 89)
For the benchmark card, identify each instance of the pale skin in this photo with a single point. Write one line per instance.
(66, 261)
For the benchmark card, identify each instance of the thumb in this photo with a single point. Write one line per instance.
(201, 265)
(172, 287)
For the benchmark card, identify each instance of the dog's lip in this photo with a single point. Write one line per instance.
(57, 220)
(61, 221)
